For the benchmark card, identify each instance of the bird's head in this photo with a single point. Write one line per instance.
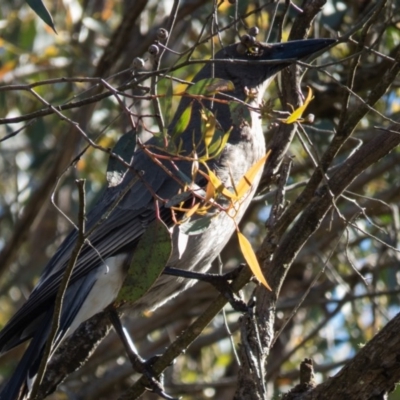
(250, 66)
(249, 63)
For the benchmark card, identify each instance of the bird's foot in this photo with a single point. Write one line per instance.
(155, 385)
(220, 282)
(141, 366)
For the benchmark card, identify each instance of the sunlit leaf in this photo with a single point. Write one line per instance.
(219, 143)
(210, 86)
(203, 210)
(210, 191)
(208, 126)
(149, 259)
(218, 185)
(42, 12)
(193, 210)
(298, 113)
(215, 181)
(251, 259)
(197, 226)
(123, 148)
(247, 180)
(220, 85)
(167, 102)
(182, 123)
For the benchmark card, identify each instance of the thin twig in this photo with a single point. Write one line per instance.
(80, 241)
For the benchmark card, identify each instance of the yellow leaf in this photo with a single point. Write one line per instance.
(216, 182)
(218, 186)
(210, 191)
(297, 114)
(208, 127)
(247, 180)
(192, 210)
(217, 146)
(182, 123)
(203, 210)
(251, 259)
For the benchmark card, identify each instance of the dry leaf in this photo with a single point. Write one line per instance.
(297, 114)
(251, 259)
(247, 180)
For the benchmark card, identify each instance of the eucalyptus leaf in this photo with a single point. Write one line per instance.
(182, 123)
(42, 12)
(167, 102)
(178, 198)
(196, 226)
(184, 177)
(150, 257)
(210, 86)
(124, 148)
(219, 142)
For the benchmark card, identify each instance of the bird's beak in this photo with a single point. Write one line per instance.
(293, 50)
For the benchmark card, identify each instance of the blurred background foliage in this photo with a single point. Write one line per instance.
(352, 275)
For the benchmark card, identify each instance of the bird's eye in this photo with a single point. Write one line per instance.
(255, 51)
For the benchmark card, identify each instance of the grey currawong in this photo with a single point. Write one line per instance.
(101, 267)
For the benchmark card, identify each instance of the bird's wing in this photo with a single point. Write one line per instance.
(117, 234)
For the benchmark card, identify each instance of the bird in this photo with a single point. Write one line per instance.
(142, 196)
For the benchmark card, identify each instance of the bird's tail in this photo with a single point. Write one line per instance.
(23, 377)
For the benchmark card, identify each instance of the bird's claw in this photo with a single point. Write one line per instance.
(155, 385)
(141, 366)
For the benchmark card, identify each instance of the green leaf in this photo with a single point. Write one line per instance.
(219, 141)
(123, 148)
(240, 114)
(184, 177)
(182, 122)
(178, 198)
(196, 226)
(150, 257)
(167, 102)
(210, 86)
(42, 12)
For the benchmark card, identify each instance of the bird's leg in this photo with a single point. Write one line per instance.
(138, 363)
(220, 282)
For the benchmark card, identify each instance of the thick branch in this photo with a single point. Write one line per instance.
(372, 373)
(321, 203)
